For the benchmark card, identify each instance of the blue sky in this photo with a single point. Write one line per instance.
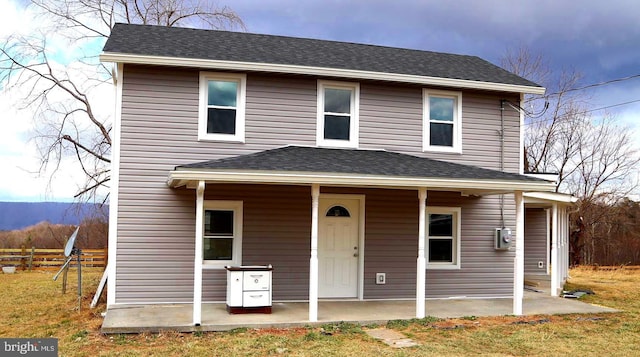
(601, 39)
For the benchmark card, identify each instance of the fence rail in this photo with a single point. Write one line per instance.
(49, 259)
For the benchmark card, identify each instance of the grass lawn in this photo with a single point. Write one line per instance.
(32, 306)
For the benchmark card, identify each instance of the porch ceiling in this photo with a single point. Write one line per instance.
(350, 167)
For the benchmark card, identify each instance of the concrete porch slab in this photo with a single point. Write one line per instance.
(177, 317)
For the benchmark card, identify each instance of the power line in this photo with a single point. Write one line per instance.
(586, 111)
(595, 85)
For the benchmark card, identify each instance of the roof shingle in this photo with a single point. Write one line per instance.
(256, 48)
(352, 161)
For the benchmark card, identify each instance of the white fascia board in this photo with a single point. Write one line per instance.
(319, 71)
(550, 197)
(179, 177)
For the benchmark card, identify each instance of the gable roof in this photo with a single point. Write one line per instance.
(246, 51)
(353, 163)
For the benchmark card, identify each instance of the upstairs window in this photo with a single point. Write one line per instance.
(338, 114)
(222, 102)
(442, 121)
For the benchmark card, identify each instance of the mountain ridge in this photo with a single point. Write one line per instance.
(19, 215)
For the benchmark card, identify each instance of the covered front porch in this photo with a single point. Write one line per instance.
(178, 317)
(399, 190)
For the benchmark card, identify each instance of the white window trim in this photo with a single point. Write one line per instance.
(457, 121)
(456, 237)
(236, 207)
(354, 125)
(241, 79)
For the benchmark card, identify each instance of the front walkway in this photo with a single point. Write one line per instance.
(153, 318)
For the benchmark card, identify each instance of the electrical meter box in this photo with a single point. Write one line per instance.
(503, 238)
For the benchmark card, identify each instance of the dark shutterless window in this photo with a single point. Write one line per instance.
(441, 250)
(441, 121)
(440, 225)
(218, 235)
(222, 98)
(337, 113)
(441, 238)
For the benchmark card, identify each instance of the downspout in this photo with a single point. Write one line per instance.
(502, 158)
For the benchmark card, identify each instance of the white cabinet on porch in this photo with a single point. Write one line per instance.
(249, 289)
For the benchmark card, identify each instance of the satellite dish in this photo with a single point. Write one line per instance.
(69, 251)
(71, 243)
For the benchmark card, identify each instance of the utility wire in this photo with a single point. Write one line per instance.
(583, 112)
(595, 85)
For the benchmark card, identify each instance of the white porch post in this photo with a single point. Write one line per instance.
(313, 263)
(197, 264)
(421, 272)
(518, 275)
(555, 266)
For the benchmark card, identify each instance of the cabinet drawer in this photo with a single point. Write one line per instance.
(256, 280)
(256, 298)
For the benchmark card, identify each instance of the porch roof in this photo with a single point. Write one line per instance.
(351, 167)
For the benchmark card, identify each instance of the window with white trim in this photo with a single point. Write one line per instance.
(443, 237)
(222, 233)
(442, 123)
(338, 104)
(222, 106)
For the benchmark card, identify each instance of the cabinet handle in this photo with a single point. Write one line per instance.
(255, 296)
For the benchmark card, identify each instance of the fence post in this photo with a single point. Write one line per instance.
(23, 261)
(33, 250)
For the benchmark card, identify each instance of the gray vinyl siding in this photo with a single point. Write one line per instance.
(156, 231)
(391, 247)
(535, 244)
(391, 119)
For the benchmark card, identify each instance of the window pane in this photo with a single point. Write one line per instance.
(441, 250)
(221, 121)
(218, 249)
(218, 223)
(337, 100)
(440, 225)
(441, 134)
(336, 127)
(223, 93)
(441, 108)
(338, 211)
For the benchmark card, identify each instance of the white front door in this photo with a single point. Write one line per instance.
(338, 247)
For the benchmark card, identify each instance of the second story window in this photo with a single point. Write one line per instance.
(222, 102)
(442, 121)
(337, 114)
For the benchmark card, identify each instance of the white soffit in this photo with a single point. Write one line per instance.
(179, 178)
(550, 197)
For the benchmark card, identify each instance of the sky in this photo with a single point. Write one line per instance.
(600, 39)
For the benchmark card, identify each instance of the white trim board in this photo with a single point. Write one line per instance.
(179, 178)
(319, 71)
(113, 196)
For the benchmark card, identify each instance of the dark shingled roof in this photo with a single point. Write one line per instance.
(352, 161)
(254, 48)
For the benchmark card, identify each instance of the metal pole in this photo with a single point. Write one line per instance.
(79, 280)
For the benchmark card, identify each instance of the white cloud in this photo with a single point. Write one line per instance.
(18, 154)
(13, 18)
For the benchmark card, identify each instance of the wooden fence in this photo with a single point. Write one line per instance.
(49, 259)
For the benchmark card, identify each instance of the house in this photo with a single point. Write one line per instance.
(358, 172)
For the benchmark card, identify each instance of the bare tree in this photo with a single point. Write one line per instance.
(594, 156)
(62, 88)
